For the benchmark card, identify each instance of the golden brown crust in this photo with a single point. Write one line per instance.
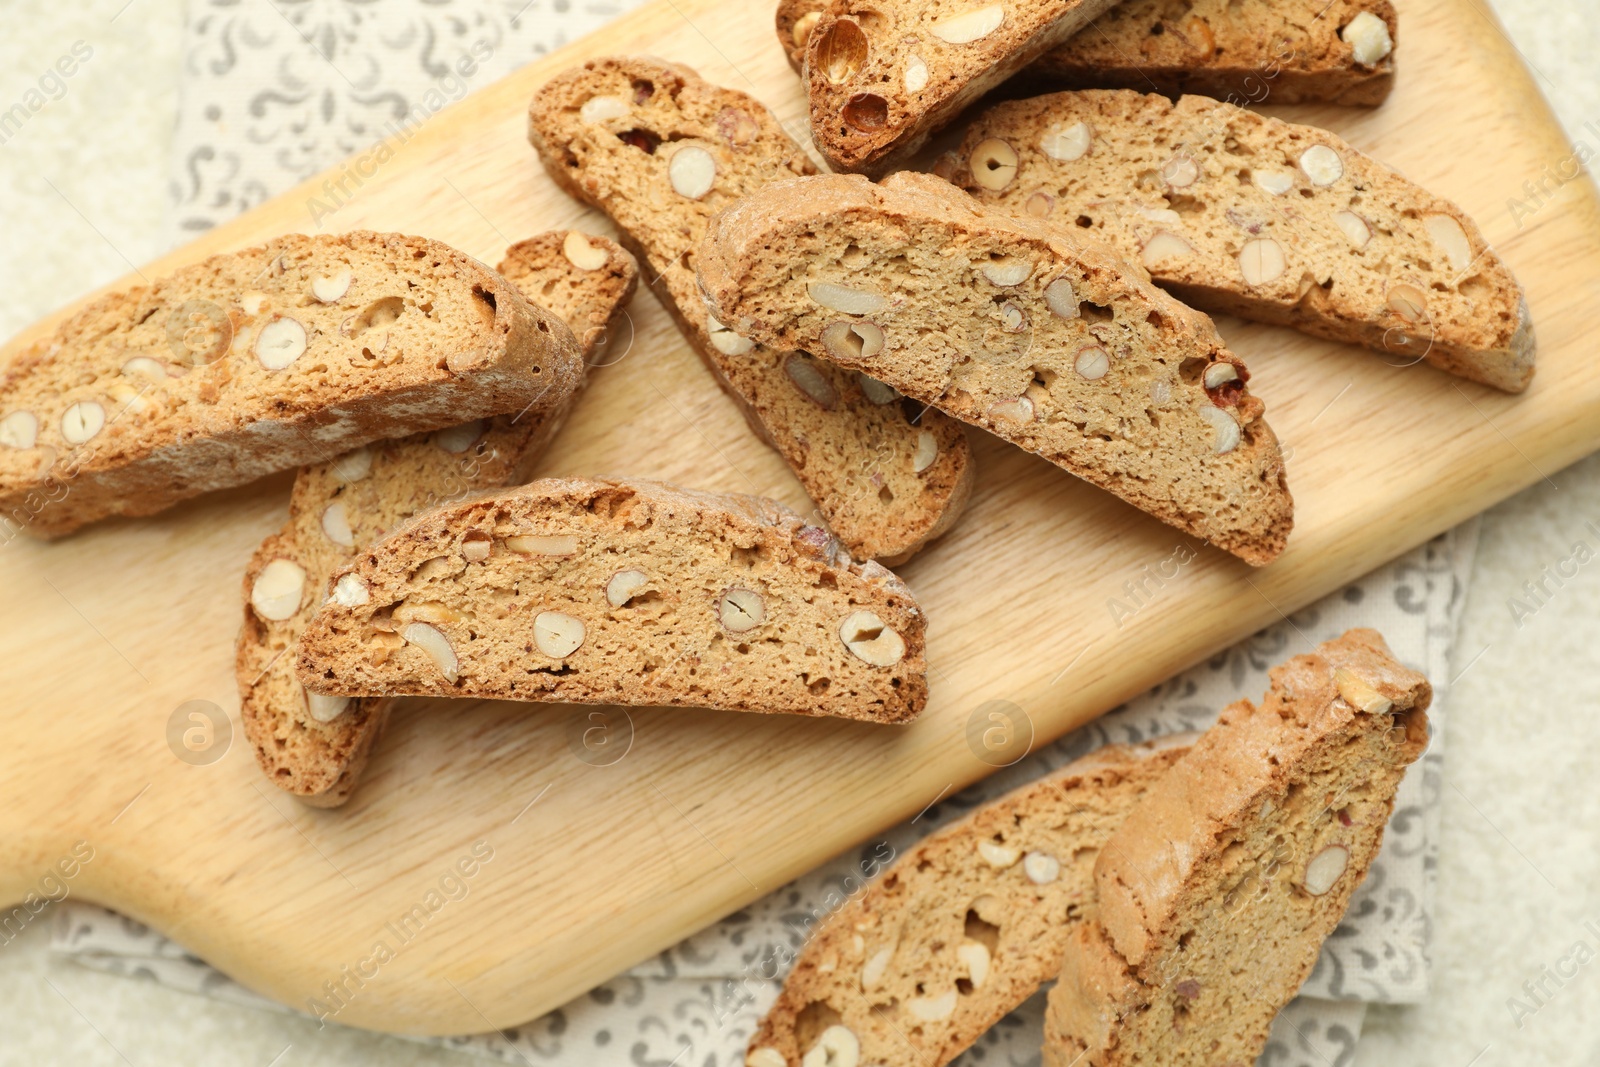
(1164, 419)
(600, 591)
(363, 494)
(853, 455)
(152, 395)
(1239, 213)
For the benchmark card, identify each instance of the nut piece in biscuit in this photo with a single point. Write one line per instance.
(811, 381)
(82, 421)
(692, 172)
(336, 524)
(969, 26)
(1061, 300)
(1322, 165)
(557, 634)
(877, 964)
(871, 639)
(1276, 182)
(725, 340)
(1007, 272)
(328, 289)
(975, 955)
(436, 646)
(1261, 261)
(281, 341)
(1067, 143)
(1359, 693)
(837, 1047)
(1226, 427)
(1325, 869)
(853, 340)
(20, 429)
(1164, 245)
(351, 591)
(741, 610)
(932, 1009)
(581, 254)
(1447, 233)
(353, 465)
(1354, 227)
(278, 589)
(543, 544)
(1041, 868)
(1368, 38)
(993, 164)
(625, 585)
(844, 299)
(1093, 363)
(997, 855)
(598, 109)
(325, 708)
(916, 76)
(876, 391)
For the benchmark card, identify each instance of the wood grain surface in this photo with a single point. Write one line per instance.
(597, 864)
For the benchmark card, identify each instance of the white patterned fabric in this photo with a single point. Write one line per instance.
(278, 90)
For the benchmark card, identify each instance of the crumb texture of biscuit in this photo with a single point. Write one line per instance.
(1239, 213)
(1216, 893)
(661, 151)
(1242, 51)
(261, 360)
(1046, 340)
(961, 929)
(313, 747)
(600, 591)
(881, 78)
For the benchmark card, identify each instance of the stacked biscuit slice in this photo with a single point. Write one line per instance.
(1046, 281)
(1180, 889)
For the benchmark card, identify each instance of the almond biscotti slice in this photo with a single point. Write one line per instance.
(882, 76)
(260, 360)
(1217, 891)
(1026, 330)
(961, 929)
(1236, 212)
(660, 150)
(596, 591)
(1256, 51)
(315, 747)
(1243, 51)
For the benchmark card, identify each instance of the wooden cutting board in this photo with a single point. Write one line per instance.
(600, 861)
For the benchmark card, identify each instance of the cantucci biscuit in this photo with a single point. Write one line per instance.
(962, 928)
(1217, 891)
(1026, 330)
(315, 748)
(660, 150)
(1236, 212)
(256, 361)
(1242, 51)
(594, 591)
(882, 76)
